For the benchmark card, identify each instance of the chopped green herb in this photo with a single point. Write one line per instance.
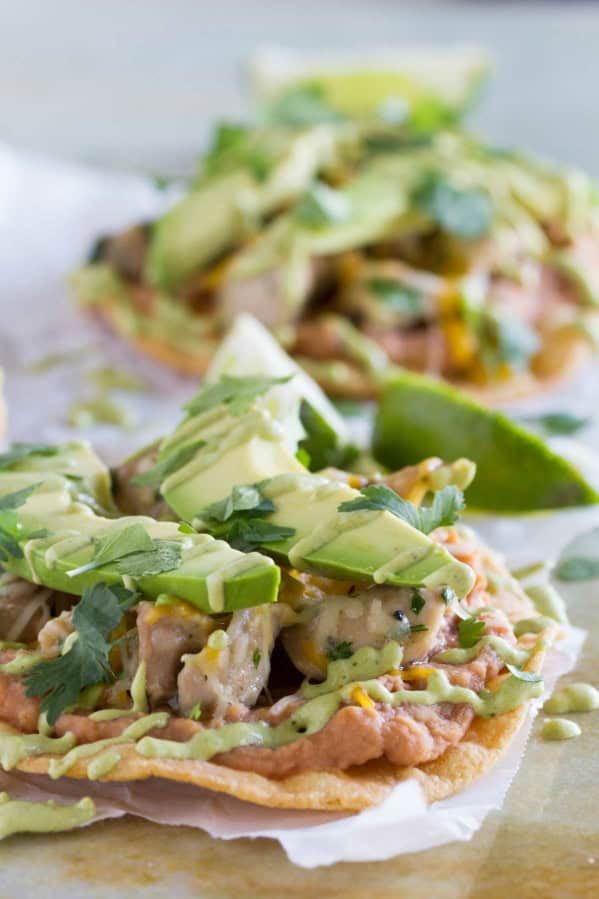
(416, 628)
(303, 457)
(470, 630)
(235, 146)
(256, 657)
(400, 297)
(21, 451)
(559, 422)
(445, 510)
(322, 205)
(164, 556)
(171, 462)
(465, 213)
(418, 602)
(196, 712)
(513, 342)
(60, 681)
(244, 498)
(528, 676)
(186, 528)
(246, 534)
(238, 394)
(116, 545)
(335, 651)
(579, 560)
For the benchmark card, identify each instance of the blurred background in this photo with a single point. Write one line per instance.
(137, 83)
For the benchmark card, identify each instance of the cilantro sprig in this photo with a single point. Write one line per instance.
(165, 466)
(470, 631)
(237, 394)
(239, 519)
(529, 677)
(465, 213)
(134, 552)
(60, 681)
(336, 651)
(444, 511)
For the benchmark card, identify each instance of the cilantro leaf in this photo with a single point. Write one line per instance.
(18, 498)
(559, 422)
(171, 462)
(18, 452)
(418, 602)
(401, 298)
(322, 205)
(416, 628)
(247, 534)
(470, 630)
(509, 340)
(196, 712)
(465, 213)
(244, 498)
(335, 651)
(233, 146)
(60, 681)
(116, 545)
(165, 555)
(304, 104)
(579, 560)
(237, 394)
(256, 657)
(528, 676)
(444, 511)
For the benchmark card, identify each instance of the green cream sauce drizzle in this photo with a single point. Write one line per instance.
(579, 697)
(23, 816)
(324, 700)
(547, 601)
(103, 765)
(508, 653)
(533, 625)
(16, 747)
(21, 663)
(59, 767)
(138, 695)
(560, 729)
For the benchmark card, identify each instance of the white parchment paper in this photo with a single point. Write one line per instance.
(49, 215)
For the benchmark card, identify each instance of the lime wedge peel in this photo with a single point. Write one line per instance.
(516, 471)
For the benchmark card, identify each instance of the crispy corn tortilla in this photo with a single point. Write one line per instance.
(352, 790)
(562, 356)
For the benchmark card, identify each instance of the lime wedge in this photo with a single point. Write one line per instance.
(516, 472)
(435, 84)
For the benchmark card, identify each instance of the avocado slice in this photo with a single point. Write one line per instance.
(419, 416)
(57, 533)
(362, 545)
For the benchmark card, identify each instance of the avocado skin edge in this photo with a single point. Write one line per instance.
(418, 417)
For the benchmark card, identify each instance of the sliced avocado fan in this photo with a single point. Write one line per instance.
(230, 453)
(49, 535)
(419, 416)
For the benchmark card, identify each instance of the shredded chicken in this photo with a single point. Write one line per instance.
(166, 633)
(237, 671)
(25, 608)
(54, 633)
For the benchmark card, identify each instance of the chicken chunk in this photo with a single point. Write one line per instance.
(341, 624)
(166, 633)
(54, 633)
(235, 666)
